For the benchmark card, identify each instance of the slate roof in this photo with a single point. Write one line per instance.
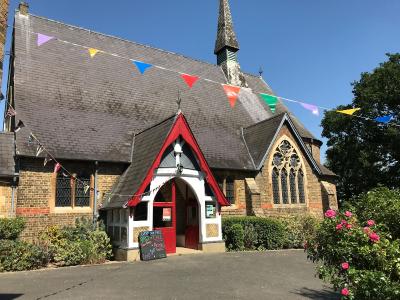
(7, 164)
(88, 109)
(146, 146)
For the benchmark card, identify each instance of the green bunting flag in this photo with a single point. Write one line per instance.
(270, 100)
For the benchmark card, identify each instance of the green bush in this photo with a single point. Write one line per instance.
(79, 244)
(20, 256)
(10, 229)
(359, 258)
(382, 205)
(265, 233)
(299, 229)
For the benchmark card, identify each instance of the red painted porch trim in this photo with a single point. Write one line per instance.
(181, 128)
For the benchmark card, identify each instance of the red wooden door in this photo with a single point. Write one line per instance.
(164, 219)
(192, 225)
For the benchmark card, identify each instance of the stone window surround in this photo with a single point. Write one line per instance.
(72, 209)
(234, 204)
(303, 168)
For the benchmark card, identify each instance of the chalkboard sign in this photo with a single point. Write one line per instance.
(151, 245)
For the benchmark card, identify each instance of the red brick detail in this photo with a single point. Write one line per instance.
(315, 205)
(267, 206)
(242, 206)
(33, 211)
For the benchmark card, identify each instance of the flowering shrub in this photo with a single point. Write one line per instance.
(360, 260)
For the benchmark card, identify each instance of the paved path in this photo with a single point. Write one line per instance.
(262, 275)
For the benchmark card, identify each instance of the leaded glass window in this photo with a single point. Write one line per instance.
(284, 186)
(230, 190)
(82, 198)
(300, 184)
(275, 185)
(293, 191)
(287, 175)
(63, 191)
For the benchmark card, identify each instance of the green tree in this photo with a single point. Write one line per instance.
(365, 154)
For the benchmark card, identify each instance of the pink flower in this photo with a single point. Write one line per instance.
(345, 265)
(339, 226)
(374, 237)
(330, 213)
(348, 226)
(345, 292)
(348, 214)
(367, 230)
(343, 222)
(370, 222)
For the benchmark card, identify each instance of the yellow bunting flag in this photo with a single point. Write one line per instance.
(93, 52)
(348, 111)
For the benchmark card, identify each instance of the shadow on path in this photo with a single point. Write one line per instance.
(10, 296)
(317, 294)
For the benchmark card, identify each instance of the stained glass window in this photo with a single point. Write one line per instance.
(284, 186)
(293, 191)
(275, 185)
(300, 185)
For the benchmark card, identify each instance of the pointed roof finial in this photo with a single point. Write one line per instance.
(226, 36)
(261, 71)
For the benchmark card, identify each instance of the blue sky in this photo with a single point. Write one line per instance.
(310, 50)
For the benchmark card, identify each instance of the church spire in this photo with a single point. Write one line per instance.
(226, 37)
(227, 46)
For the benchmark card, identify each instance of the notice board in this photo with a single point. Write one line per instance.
(151, 244)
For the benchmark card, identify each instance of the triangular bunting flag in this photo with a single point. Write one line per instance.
(93, 52)
(86, 188)
(39, 150)
(57, 167)
(142, 67)
(384, 119)
(313, 108)
(348, 111)
(232, 92)
(46, 160)
(189, 79)
(270, 100)
(42, 38)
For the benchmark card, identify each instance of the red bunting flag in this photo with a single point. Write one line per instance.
(189, 79)
(57, 167)
(232, 92)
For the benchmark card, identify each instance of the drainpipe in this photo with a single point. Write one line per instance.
(12, 201)
(96, 166)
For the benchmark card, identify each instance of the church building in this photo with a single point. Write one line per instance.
(97, 126)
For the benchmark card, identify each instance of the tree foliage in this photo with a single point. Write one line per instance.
(366, 154)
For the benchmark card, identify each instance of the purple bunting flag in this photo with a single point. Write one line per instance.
(312, 108)
(42, 39)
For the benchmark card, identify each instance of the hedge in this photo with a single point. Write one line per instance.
(10, 229)
(260, 233)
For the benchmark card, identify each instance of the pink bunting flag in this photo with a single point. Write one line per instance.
(189, 79)
(42, 39)
(312, 108)
(57, 167)
(232, 92)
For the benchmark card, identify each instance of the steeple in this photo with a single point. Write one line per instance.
(226, 37)
(227, 46)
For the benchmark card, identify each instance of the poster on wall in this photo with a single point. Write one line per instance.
(166, 215)
(210, 211)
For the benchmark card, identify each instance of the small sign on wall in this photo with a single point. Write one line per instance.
(167, 214)
(210, 211)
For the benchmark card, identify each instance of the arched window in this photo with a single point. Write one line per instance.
(300, 185)
(287, 175)
(275, 185)
(284, 185)
(293, 191)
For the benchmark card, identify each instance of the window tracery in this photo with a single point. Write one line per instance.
(287, 175)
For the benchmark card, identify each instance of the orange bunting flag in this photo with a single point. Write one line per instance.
(93, 52)
(189, 79)
(232, 92)
(348, 111)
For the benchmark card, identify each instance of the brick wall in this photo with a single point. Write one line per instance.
(5, 200)
(36, 193)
